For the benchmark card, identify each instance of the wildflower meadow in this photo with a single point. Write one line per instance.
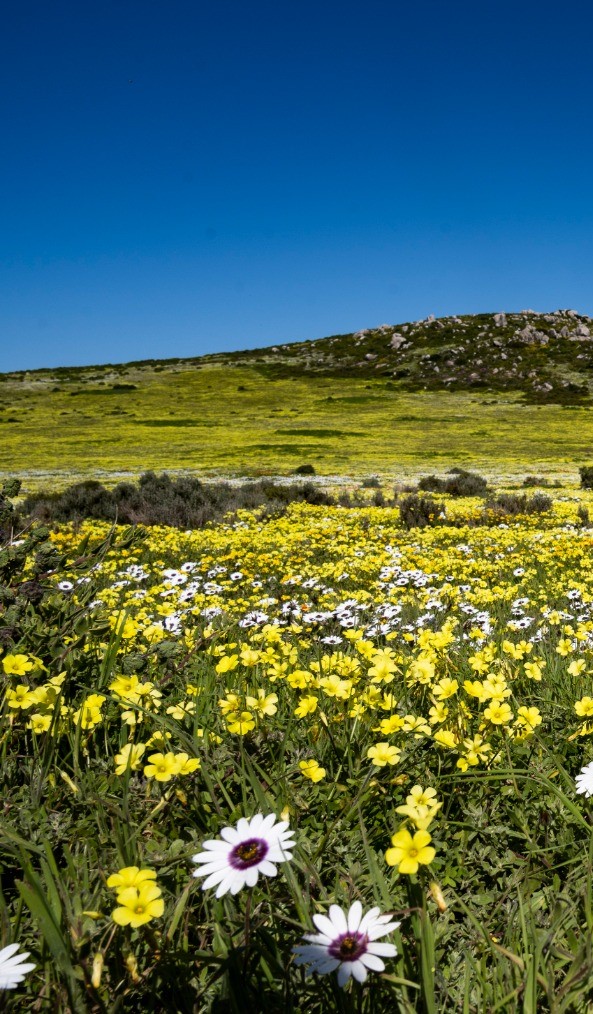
(313, 761)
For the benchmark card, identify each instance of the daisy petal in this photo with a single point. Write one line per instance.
(338, 918)
(373, 962)
(359, 971)
(354, 916)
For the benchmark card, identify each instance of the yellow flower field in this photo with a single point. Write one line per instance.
(413, 704)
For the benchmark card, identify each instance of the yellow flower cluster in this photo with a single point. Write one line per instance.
(138, 896)
(335, 631)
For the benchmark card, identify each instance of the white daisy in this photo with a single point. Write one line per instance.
(584, 780)
(252, 847)
(12, 969)
(346, 943)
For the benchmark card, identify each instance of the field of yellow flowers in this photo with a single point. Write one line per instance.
(314, 762)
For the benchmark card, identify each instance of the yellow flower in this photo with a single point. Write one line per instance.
(16, 665)
(124, 686)
(423, 797)
(534, 669)
(39, 723)
(138, 905)
(264, 704)
(159, 738)
(312, 770)
(514, 650)
(249, 656)
(529, 718)
(584, 707)
(229, 703)
(333, 686)
(186, 765)
(499, 713)
(182, 710)
(299, 679)
(476, 689)
(130, 876)
(421, 816)
(21, 697)
(437, 714)
(418, 726)
(129, 758)
(577, 666)
(445, 688)
(388, 725)
(162, 766)
(383, 669)
(382, 754)
(408, 853)
(239, 723)
(446, 737)
(227, 663)
(421, 670)
(306, 706)
(564, 647)
(476, 750)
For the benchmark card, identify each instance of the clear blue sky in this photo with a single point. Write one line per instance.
(181, 177)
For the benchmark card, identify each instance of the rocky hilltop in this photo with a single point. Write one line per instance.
(547, 357)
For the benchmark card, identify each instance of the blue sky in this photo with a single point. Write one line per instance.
(181, 177)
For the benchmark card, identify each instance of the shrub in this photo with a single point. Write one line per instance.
(513, 504)
(535, 480)
(419, 511)
(185, 502)
(372, 482)
(457, 483)
(586, 473)
(304, 470)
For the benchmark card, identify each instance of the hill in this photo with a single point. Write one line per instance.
(488, 390)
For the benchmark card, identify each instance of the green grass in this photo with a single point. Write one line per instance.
(196, 420)
(462, 391)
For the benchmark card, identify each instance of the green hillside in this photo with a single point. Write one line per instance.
(503, 393)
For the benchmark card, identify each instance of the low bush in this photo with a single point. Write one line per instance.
(535, 480)
(586, 473)
(419, 511)
(457, 482)
(513, 504)
(159, 500)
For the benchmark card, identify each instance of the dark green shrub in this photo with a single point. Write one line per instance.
(513, 504)
(458, 482)
(185, 502)
(419, 511)
(304, 470)
(586, 473)
(535, 480)
(583, 515)
(371, 483)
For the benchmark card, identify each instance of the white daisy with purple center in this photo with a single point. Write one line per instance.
(346, 943)
(252, 847)
(13, 966)
(584, 780)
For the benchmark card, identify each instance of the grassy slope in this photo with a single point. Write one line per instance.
(250, 413)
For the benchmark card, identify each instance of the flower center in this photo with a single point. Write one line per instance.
(248, 853)
(348, 946)
(412, 853)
